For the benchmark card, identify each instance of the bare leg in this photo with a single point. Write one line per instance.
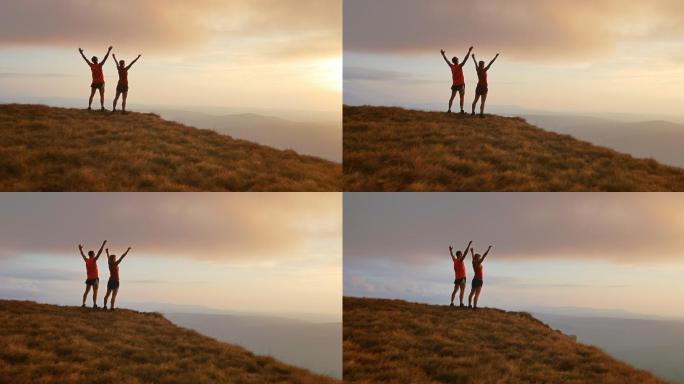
(477, 294)
(461, 93)
(102, 97)
(92, 93)
(123, 101)
(451, 100)
(109, 291)
(453, 294)
(85, 294)
(470, 296)
(482, 104)
(94, 295)
(116, 100)
(462, 292)
(477, 97)
(114, 298)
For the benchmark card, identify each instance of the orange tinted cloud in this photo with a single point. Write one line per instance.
(262, 227)
(172, 24)
(418, 228)
(524, 29)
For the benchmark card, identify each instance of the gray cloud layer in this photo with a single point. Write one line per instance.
(170, 25)
(536, 29)
(417, 228)
(203, 226)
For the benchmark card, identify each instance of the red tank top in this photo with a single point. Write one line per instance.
(457, 74)
(123, 76)
(459, 269)
(96, 70)
(113, 271)
(478, 270)
(91, 268)
(481, 77)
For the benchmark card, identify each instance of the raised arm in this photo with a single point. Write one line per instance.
(474, 60)
(465, 60)
(451, 252)
(491, 62)
(132, 62)
(116, 62)
(122, 256)
(485, 254)
(465, 252)
(445, 58)
(107, 55)
(80, 249)
(100, 251)
(80, 50)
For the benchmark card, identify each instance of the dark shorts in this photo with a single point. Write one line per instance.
(113, 284)
(97, 86)
(481, 89)
(93, 282)
(476, 283)
(458, 87)
(121, 88)
(460, 281)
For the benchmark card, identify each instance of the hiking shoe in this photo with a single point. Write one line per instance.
(95, 306)
(82, 305)
(462, 306)
(451, 305)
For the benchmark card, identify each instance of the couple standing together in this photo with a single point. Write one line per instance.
(458, 79)
(460, 271)
(98, 83)
(93, 279)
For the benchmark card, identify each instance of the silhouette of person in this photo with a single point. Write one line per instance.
(482, 89)
(458, 81)
(113, 283)
(122, 85)
(460, 272)
(92, 279)
(476, 284)
(98, 82)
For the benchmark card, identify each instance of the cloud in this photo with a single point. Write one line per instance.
(172, 25)
(525, 29)
(231, 226)
(417, 228)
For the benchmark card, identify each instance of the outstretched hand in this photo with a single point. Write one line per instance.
(110, 48)
(80, 50)
(442, 51)
(471, 48)
(80, 246)
(129, 248)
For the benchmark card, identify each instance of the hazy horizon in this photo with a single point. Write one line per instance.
(595, 57)
(602, 251)
(255, 253)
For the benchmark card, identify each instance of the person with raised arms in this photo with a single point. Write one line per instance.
(98, 82)
(92, 279)
(476, 284)
(113, 283)
(482, 88)
(122, 85)
(460, 272)
(458, 81)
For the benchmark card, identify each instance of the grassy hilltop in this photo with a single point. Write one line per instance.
(46, 344)
(57, 149)
(393, 341)
(394, 149)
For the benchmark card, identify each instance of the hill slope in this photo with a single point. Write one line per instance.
(397, 341)
(42, 343)
(57, 149)
(393, 149)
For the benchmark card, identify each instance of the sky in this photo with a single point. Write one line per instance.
(604, 251)
(249, 54)
(268, 253)
(586, 56)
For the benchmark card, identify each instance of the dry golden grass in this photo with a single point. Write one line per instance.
(44, 344)
(393, 149)
(58, 149)
(393, 341)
